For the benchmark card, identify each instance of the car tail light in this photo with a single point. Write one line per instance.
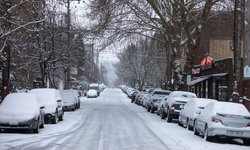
(216, 120)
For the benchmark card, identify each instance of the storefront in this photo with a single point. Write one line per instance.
(212, 79)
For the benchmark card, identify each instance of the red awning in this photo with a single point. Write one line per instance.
(207, 61)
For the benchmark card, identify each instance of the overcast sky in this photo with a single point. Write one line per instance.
(107, 57)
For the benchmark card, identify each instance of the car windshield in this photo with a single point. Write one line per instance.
(185, 95)
(67, 96)
(94, 87)
(161, 93)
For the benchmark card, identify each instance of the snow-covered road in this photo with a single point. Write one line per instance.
(111, 122)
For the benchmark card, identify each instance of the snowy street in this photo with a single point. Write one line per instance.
(112, 122)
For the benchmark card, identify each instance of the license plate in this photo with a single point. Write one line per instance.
(234, 132)
(13, 123)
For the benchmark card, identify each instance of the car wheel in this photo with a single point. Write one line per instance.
(55, 120)
(148, 109)
(61, 117)
(169, 116)
(162, 115)
(36, 130)
(179, 121)
(189, 126)
(157, 112)
(195, 129)
(42, 125)
(206, 136)
(246, 142)
(152, 110)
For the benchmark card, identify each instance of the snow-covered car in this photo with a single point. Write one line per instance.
(21, 111)
(52, 101)
(69, 100)
(102, 86)
(77, 97)
(174, 103)
(130, 92)
(161, 106)
(224, 119)
(139, 96)
(142, 98)
(134, 94)
(157, 96)
(191, 110)
(146, 99)
(92, 93)
(95, 86)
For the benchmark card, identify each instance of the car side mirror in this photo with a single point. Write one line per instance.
(59, 100)
(42, 107)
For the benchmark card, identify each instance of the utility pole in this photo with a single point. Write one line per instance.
(238, 28)
(68, 44)
(68, 19)
(6, 53)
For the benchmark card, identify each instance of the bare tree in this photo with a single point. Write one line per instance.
(179, 22)
(139, 63)
(15, 16)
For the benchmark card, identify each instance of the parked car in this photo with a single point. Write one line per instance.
(76, 95)
(191, 110)
(70, 102)
(139, 96)
(224, 119)
(92, 93)
(150, 90)
(134, 94)
(21, 111)
(142, 98)
(52, 101)
(146, 100)
(161, 106)
(174, 103)
(130, 92)
(155, 99)
(95, 86)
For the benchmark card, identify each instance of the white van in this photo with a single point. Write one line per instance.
(52, 101)
(70, 100)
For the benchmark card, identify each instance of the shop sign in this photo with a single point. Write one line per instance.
(196, 71)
